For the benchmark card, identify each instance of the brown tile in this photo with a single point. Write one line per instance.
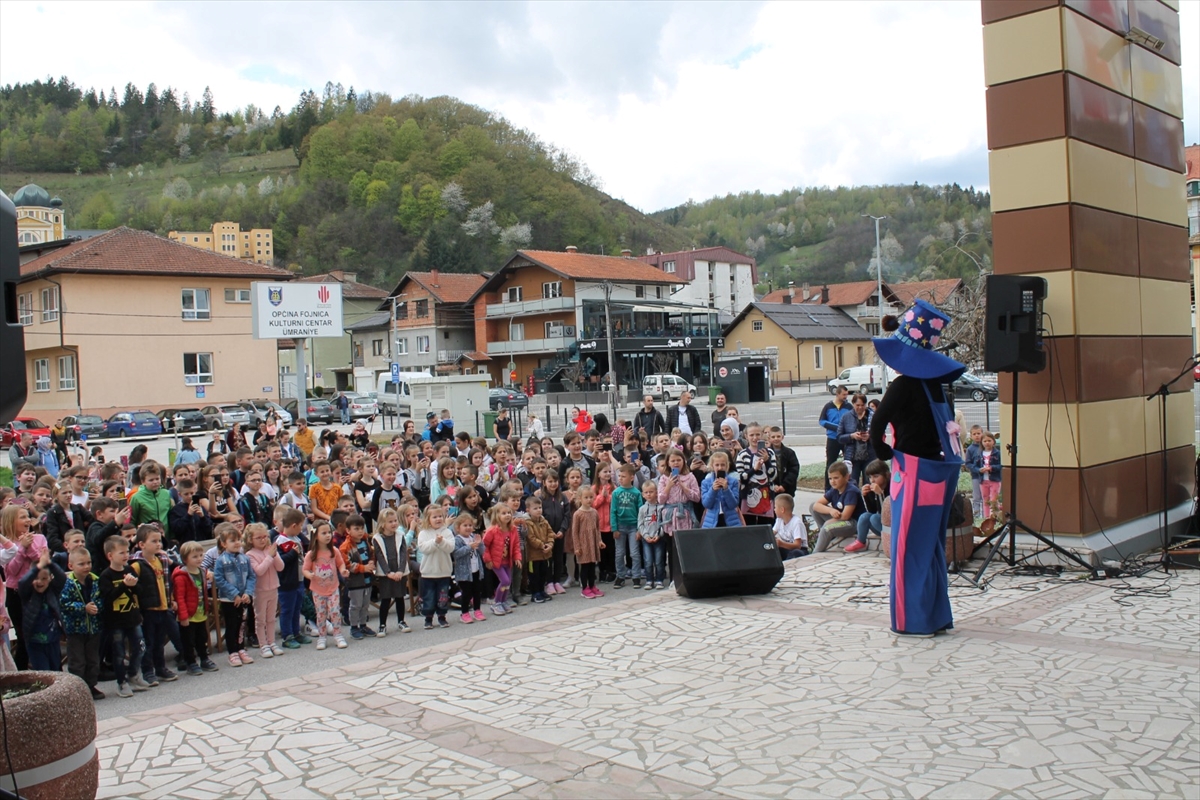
(1096, 115)
(1158, 20)
(1163, 358)
(1162, 251)
(1059, 382)
(1103, 241)
(1048, 498)
(1032, 110)
(1157, 137)
(1112, 14)
(1110, 367)
(1106, 500)
(1031, 240)
(995, 10)
(1181, 465)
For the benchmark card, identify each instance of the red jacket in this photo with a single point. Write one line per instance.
(493, 544)
(187, 599)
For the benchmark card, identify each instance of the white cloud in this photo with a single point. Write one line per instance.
(664, 101)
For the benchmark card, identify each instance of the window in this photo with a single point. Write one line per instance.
(422, 308)
(658, 292)
(668, 266)
(515, 294)
(552, 289)
(839, 355)
(25, 309)
(197, 368)
(50, 305)
(195, 304)
(757, 325)
(402, 347)
(66, 373)
(377, 347)
(237, 295)
(41, 375)
(639, 291)
(516, 332)
(422, 344)
(818, 357)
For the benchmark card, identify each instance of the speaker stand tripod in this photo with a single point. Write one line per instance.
(1013, 524)
(1161, 393)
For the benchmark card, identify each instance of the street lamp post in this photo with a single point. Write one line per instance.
(879, 300)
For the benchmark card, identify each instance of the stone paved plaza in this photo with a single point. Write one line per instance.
(1045, 689)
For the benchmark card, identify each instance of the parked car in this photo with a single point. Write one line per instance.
(258, 410)
(224, 416)
(132, 423)
(501, 397)
(361, 406)
(666, 387)
(864, 380)
(190, 419)
(85, 425)
(974, 387)
(318, 411)
(22, 425)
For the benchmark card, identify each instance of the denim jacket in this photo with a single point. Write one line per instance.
(234, 576)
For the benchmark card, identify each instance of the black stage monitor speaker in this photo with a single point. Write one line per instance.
(721, 561)
(1014, 324)
(12, 335)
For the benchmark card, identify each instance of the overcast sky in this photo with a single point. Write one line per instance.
(663, 101)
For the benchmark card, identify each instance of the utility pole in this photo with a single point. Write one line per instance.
(612, 361)
(879, 278)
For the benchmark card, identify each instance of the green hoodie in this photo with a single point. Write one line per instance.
(147, 506)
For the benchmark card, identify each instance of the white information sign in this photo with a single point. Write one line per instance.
(296, 310)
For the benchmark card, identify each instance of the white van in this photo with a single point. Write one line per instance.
(864, 379)
(386, 391)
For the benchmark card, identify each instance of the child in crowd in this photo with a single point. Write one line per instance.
(445, 480)
(71, 540)
(191, 607)
(651, 537)
(253, 505)
(879, 481)
(468, 567)
(602, 489)
(63, 516)
(556, 508)
(297, 497)
(122, 617)
(267, 564)
(391, 569)
(324, 494)
(719, 494)
(322, 566)
(40, 590)
(152, 503)
(502, 555)
(436, 544)
(838, 511)
(188, 521)
(356, 550)
(584, 541)
(79, 604)
(364, 491)
(154, 597)
(986, 465)
(235, 590)
(108, 519)
(291, 544)
(968, 460)
(790, 536)
(624, 505)
(678, 494)
(539, 539)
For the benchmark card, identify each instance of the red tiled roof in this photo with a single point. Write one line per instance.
(1191, 155)
(841, 294)
(125, 251)
(937, 292)
(350, 288)
(590, 267)
(685, 260)
(474, 355)
(447, 287)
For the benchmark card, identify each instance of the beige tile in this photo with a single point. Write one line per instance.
(1160, 194)
(1101, 178)
(1109, 430)
(1029, 175)
(1107, 305)
(1156, 81)
(1022, 47)
(1166, 308)
(1059, 304)
(1180, 423)
(1095, 52)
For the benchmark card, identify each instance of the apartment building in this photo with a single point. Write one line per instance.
(228, 239)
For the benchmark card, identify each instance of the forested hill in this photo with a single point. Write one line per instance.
(821, 235)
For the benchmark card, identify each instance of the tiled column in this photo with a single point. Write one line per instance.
(1086, 164)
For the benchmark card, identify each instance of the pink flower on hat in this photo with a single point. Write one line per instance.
(936, 324)
(915, 333)
(909, 316)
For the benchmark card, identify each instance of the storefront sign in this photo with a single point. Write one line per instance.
(640, 344)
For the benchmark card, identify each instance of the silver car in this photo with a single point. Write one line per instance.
(362, 406)
(225, 415)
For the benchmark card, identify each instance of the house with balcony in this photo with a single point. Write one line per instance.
(717, 277)
(543, 312)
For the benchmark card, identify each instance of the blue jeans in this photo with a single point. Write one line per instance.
(290, 601)
(788, 555)
(345, 412)
(128, 647)
(435, 596)
(654, 556)
(868, 523)
(626, 545)
(156, 626)
(45, 655)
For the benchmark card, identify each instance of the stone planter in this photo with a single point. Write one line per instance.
(960, 544)
(51, 735)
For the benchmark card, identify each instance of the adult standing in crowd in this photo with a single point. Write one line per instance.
(719, 414)
(343, 406)
(648, 420)
(831, 420)
(502, 427)
(58, 437)
(22, 452)
(235, 438)
(217, 447)
(854, 436)
(684, 416)
(306, 440)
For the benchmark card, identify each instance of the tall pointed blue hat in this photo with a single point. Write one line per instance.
(912, 348)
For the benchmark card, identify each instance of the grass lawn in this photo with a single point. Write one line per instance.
(5, 476)
(812, 477)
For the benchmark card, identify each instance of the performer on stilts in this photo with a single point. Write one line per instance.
(926, 463)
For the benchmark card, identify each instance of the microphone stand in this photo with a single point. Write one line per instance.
(1161, 393)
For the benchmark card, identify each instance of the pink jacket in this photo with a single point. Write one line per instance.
(22, 560)
(266, 569)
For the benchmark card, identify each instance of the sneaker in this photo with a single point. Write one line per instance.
(637, 582)
(266, 651)
(194, 669)
(429, 625)
(340, 641)
(403, 627)
(618, 583)
(123, 690)
(382, 631)
(139, 682)
(246, 659)
(235, 660)
(498, 610)
(479, 617)
(148, 679)
(291, 643)
(208, 665)
(671, 585)
(320, 642)
(356, 633)
(310, 629)
(328, 627)
(597, 593)
(443, 623)
(304, 639)
(649, 585)
(466, 618)
(97, 694)
(252, 640)
(368, 631)
(540, 597)
(276, 649)
(523, 600)
(166, 676)
(588, 593)
(854, 547)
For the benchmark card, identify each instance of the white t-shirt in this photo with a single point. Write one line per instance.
(685, 424)
(790, 531)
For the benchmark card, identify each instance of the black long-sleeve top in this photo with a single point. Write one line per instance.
(905, 407)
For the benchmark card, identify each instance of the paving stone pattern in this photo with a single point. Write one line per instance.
(1046, 689)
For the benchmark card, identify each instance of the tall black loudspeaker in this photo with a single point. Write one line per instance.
(711, 562)
(12, 334)
(1014, 323)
